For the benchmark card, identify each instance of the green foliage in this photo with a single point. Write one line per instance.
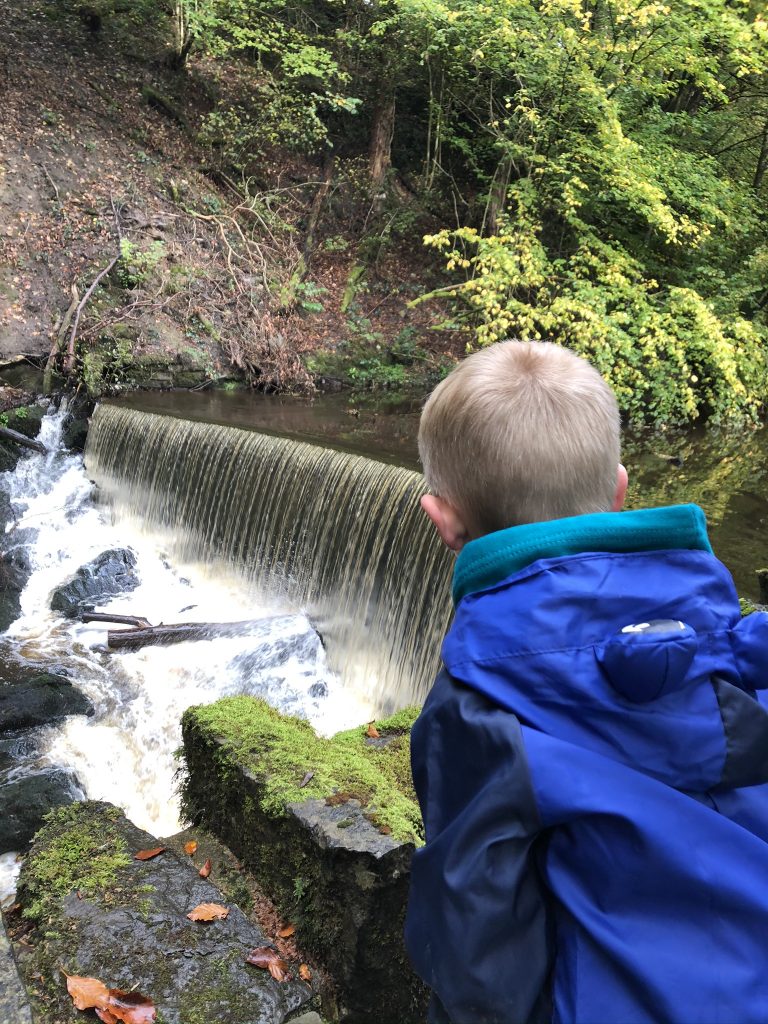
(135, 264)
(77, 849)
(608, 224)
(595, 170)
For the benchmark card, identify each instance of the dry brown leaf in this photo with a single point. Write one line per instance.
(287, 932)
(208, 912)
(304, 973)
(205, 870)
(190, 847)
(372, 732)
(270, 961)
(112, 1005)
(279, 970)
(106, 1016)
(131, 1007)
(87, 992)
(149, 854)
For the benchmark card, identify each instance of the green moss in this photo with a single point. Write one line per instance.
(281, 751)
(77, 849)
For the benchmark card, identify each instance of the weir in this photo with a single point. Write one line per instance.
(337, 535)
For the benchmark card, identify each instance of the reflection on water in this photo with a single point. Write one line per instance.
(727, 474)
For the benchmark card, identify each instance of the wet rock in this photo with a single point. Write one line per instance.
(24, 802)
(14, 1005)
(318, 689)
(14, 749)
(129, 928)
(110, 574)
(75, 428)
(13, 578)
(26, 419)
(39, 700)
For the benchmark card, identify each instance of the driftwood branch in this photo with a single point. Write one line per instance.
(123, 620)
(58, 340)
(6, 434)
(69, 363)
(178, 633)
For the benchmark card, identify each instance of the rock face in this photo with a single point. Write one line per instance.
(39, 700)
(26, 801)
(329, 862)
(28, 700)
(110, 574)
(24, 420)
(129, 928)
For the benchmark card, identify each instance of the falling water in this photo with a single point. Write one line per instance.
(123, 753)
(336, 535)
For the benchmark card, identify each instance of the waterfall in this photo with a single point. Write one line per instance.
(336, 535)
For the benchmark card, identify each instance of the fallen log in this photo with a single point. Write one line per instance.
(6, 434)
(123, 620)
(178, 633)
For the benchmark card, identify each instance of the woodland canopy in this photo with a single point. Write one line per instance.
(596, 171)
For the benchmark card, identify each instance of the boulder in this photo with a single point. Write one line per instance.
(101, 913)
(110, 574)
(328, 827)
(24, 803)
(15, 570)
(39, 700)
(24, 420)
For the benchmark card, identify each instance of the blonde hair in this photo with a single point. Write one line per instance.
(521, 432)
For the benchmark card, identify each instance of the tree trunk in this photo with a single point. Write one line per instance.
(762, 160)
(317, 206)
(497, 198)
(382, 130)
(182, 36)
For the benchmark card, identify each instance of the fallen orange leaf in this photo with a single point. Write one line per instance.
(106, 1016)
(372, 732)
(131, 1007)
(190, 847)
(287, 932)
(205, 870)
(208, 912)
(149, 854)
(304, 973)
(87, 992)
(112, 1005)
(269, 960)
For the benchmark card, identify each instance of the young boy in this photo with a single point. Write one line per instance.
(592, 762)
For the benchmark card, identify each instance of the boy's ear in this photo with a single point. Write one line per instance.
(447, 521)
(622, 479)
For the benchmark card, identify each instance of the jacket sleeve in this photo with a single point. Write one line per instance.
(477, 924)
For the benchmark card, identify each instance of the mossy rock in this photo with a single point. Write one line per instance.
(328, 827)
(101, 913)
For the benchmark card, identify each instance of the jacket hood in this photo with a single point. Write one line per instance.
(629, 642)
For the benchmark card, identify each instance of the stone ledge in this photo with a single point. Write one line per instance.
(337, 863)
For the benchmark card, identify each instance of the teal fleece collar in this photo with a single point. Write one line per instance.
(490, 559)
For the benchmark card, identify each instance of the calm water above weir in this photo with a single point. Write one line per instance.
(727, 474)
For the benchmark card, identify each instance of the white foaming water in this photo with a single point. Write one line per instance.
(124, 752)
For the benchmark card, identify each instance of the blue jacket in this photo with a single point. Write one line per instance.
(595, 801)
